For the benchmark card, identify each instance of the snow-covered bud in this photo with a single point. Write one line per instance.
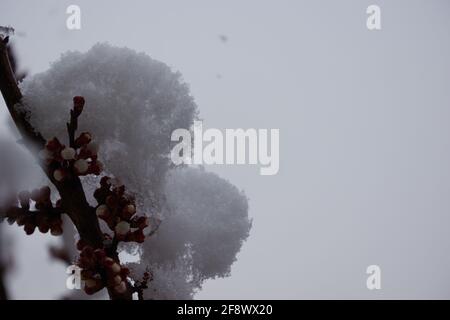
(102, 211)
(59, 175)
(81, 166)
(122, 228)
(68, 153)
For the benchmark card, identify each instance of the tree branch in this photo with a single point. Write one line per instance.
(73, 198)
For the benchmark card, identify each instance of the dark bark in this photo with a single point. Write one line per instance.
(3, 292)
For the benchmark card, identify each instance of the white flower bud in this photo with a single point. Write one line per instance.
(81, 166)
(122, 228)
(68, 153)
(92, 147)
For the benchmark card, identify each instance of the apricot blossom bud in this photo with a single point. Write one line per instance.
(68, 153)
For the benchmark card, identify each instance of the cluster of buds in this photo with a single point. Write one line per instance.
(78, 159)
(67, 161)
(45, 217)
(99, 270)
(118, 210)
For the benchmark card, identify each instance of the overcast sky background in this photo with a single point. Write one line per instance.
(364, 133)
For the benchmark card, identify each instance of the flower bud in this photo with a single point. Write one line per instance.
(81, 166)
(78, 104)
(29, 228)
(108, 262)
(121, 288)
(115, 267)
(59, 175)
(68, 153)
(24, 198)
(96, 168)
(111, 201)
(128, 211)
(92, 148)
(122, 228)
(102, 211)
(56, 230)
(81, 244)
(139, 236)
(53, 145)
(83, 139)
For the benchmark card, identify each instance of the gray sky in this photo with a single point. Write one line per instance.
(364, 137)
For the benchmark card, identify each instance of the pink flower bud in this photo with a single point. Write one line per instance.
(128, 211)
(83, 139)
(78, 104)
(59, 175)
(53, 145)
(102, 211)
(115, 267)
